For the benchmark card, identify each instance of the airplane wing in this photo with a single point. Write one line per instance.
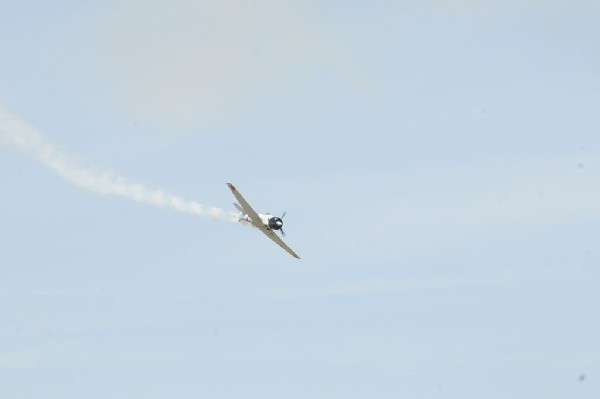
(257, 222)
(278, 241)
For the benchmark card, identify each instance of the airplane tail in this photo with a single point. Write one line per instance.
(242, 217)
(238, 207)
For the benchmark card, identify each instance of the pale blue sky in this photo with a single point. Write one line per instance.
(439, 162)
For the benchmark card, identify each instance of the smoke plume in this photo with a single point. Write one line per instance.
(24, 138)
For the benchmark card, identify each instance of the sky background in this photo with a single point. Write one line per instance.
(439, 162)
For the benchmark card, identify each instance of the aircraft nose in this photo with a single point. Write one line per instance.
(279, 223)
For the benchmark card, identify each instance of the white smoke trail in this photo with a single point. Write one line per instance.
(24, 138)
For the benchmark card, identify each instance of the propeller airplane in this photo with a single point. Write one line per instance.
(265, 222)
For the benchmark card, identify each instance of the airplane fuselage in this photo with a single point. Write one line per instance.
(269, 220)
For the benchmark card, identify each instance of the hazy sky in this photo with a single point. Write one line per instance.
(439, 162)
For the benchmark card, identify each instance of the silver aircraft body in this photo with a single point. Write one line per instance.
(265, 222)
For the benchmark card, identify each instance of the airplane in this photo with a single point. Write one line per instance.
(267, 223)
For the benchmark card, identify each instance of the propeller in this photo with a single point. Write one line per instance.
(281, 229)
